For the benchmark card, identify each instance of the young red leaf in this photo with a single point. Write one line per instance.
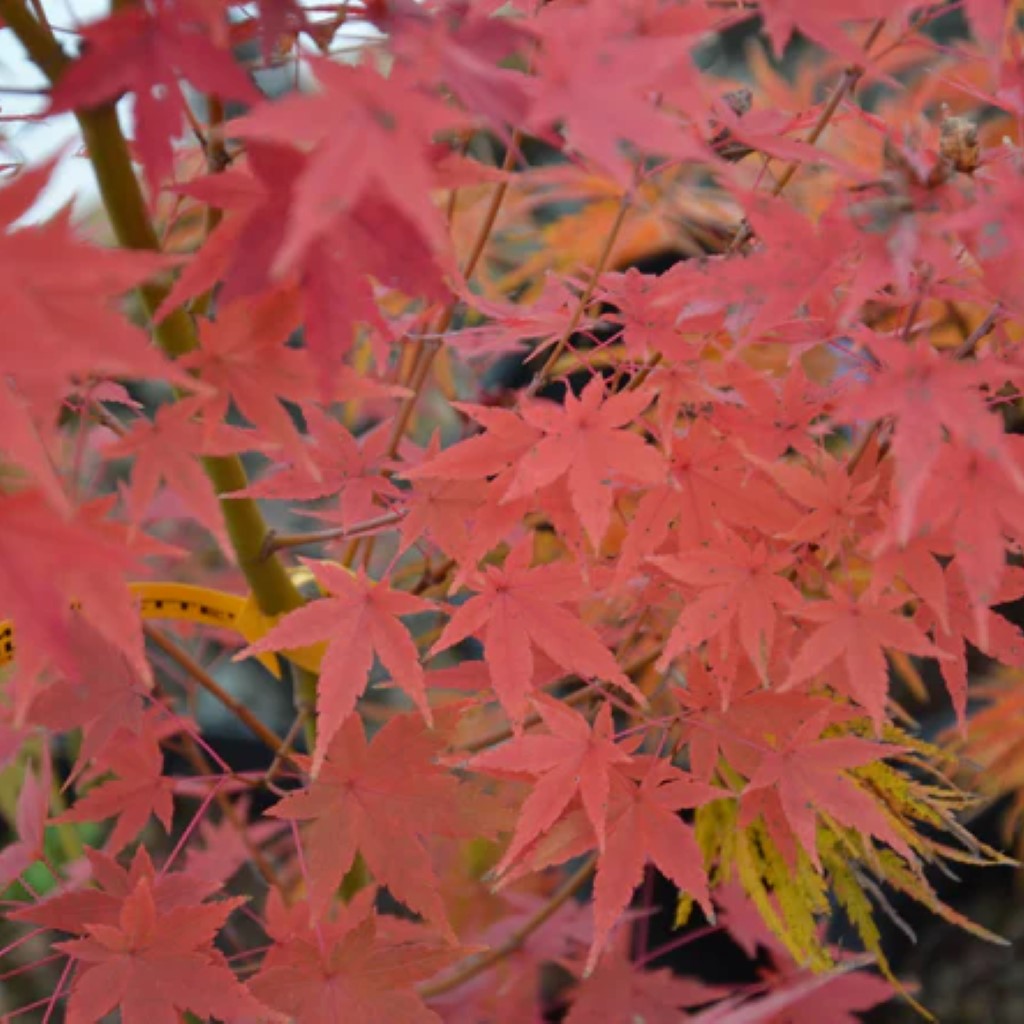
(344, 970)
(807, 776)
(519, 607)
(139, 790)
(359, 618)
(739, 591)
(382, 799)
(584, 442)
(369, 132)
(573, 759)
(155, 964)
(143, 50)
(643, 827)
(858, 632)
(620, 989)
(927, 393)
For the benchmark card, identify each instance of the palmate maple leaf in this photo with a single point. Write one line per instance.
(582, 441)
(574, 759)
(48, 559)
(710, 483)
(370, 239)
(355, 468)
(145, 944)
(620, 989)
(60, 298)
(101, 693)
(165, 449)
(343, 969)
(144, 49)
(369, 133)
(359, 618)
(738, 592)
(643, 827)
(857, 633)
(835, 503)
(928, 394)
(139, 790)
(154, 965)
(71, 911)
(972, 498)
(598, 75)
(993, 635)
(381, 799)
(243, 356)
(807, 776)
(518, 607)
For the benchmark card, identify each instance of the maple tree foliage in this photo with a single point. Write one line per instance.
(536, 651)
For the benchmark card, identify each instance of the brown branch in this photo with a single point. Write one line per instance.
(967, 347)
(849, 79)
(584, 299)
(266, 736)
(478, 964)
(280, 541)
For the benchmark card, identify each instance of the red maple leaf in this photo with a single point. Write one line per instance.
(370, 240)
(574, 759)
(165, 450)
(738, 591)
(73, 911)
(927, 394)
(343, 968)
(154, 964)
(858, 632)
(30, 818)
(139, 790)
(356, 468)
(835, 503)
(382, 799)
(643, 827)
(519, 607)
(47, 560)
(597, 75)
(973, 499)
(621, 989)
(100, 693)
(144, 49)
(806, 775)
(243, 356)
(359, 618)
(584, 442)
(61, 296)
(369, 132)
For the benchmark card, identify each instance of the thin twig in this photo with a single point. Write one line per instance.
(584, 300)
(269, 738)
(478, 964)
(280, 541)
(845, 85)
(986, 327)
